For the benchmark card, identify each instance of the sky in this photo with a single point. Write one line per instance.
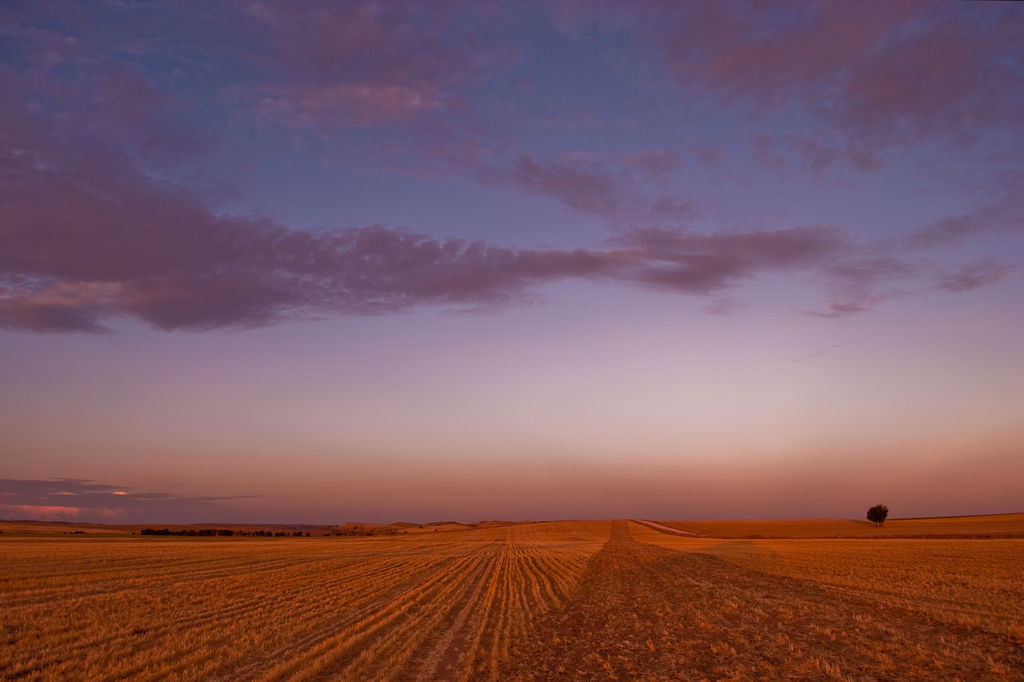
(318, 262)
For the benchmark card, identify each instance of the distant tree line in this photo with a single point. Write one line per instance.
(224, 532)
(335, 531)
(360, 531)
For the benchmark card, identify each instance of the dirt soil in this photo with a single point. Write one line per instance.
(643, 612)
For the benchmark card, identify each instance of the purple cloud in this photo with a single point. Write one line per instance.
(90, 239)
(846, 307)
(873, 75)
(655, 163)
(88, 247)
(615, 189)
(1002, 214)
(723, 306)
(575, 184)
(860, 280)
(94, 229)
(77, 494)
(699, 263)
(331, 65)
(975, 275)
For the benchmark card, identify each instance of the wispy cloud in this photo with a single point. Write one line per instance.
(817, 353)
(857, 72)
(974, 275)
(845, 307)
(702, 263)
(70, 497)
(1000, 213)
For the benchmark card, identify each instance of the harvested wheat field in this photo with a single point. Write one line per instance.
(540, 601)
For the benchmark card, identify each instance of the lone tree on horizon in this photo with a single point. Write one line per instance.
(877, 514)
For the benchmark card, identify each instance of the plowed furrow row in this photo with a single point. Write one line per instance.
(282, 620)
(337, 650)
(447, 606)
(391, 648)
(215, 618)
(440, 656)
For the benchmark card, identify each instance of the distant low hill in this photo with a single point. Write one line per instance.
(984, 526)
(51, 528)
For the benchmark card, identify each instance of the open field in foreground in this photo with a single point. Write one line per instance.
(562, 600)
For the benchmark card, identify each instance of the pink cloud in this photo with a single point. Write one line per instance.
(40, 512)
(874, 75)
(845, 308)
(337, 64)
(86, 95)
(56, 306)
(654, 162)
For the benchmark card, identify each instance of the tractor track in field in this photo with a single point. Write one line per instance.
(662, 528)
(643, 612)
